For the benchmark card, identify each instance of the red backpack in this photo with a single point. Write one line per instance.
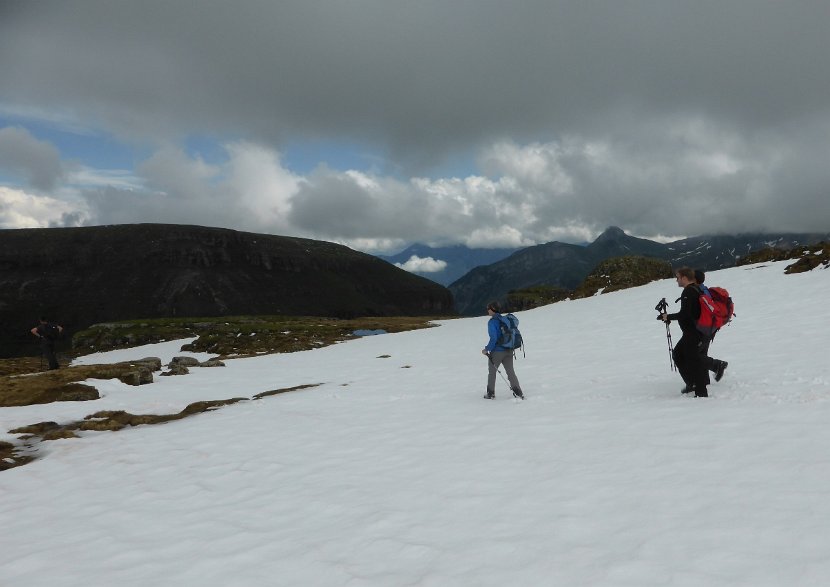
(716, 309)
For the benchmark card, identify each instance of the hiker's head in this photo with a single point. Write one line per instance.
(685, 276)
(700, 276)
(43, 319)
(494, 307)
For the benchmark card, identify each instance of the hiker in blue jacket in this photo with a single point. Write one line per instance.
(498, 355)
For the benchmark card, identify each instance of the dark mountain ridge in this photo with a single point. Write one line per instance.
(83, 276)
(566, 266)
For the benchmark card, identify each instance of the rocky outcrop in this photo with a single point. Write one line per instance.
(622, 273)
(89, 275)
(806, 258)
(610, 275)
(533, 297)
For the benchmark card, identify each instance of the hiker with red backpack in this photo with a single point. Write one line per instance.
(716, 366)
(689, 352)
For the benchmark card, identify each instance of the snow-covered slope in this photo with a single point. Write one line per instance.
(393, 471)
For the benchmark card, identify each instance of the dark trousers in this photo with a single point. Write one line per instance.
(47, 347)
(690, 357)
(502, 358)
(710, 363)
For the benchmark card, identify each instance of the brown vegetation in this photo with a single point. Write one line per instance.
(610, 275)
(62, 384)
(806, 257)
(22, 381)
(239, 336)
(623, 273)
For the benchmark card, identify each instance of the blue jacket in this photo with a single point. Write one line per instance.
(494, 331)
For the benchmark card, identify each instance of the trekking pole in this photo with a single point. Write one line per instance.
(489, 358)
(671, 357)
(661, 307)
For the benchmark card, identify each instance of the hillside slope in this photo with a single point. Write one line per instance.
(82, 276)
(564, 265)
(388, 468)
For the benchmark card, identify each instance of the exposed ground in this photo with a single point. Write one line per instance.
(806, 258)
(23, 380)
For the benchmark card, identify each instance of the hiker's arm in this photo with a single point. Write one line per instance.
(493, 331)
(686, 309)
(675, 316)
(35, 332)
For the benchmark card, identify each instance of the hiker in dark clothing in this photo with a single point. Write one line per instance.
(498, 355)
(688, 352)
(716, 366)
(48, 333)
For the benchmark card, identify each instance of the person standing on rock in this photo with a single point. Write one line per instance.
(48, 332)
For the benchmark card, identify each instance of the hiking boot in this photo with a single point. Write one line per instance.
(490, 395)
(688, 388)
(517, 393)
(719, 370)
(703, 393)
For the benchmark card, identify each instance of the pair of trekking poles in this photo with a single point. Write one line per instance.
(662, 307)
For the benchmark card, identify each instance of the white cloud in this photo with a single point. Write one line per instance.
(19, 209)
(258, 181)
(499, 237)
(54, 116)
(88, 177)
(568, 190)
(249, 191)
(173, 172)
(417, 264)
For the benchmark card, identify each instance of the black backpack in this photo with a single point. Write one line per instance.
(51, 331)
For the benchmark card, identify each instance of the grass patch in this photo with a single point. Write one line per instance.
(63, 384)
(239, 336)
(23, 381)
(10, 457)
(107, 421)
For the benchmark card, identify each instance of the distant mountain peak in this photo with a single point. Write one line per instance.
(611, 233)
(566, 266)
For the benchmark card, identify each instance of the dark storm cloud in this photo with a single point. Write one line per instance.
(669, 117)
(37, 162)
(418, 75)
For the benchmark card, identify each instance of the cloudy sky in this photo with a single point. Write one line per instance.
(378, 123)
